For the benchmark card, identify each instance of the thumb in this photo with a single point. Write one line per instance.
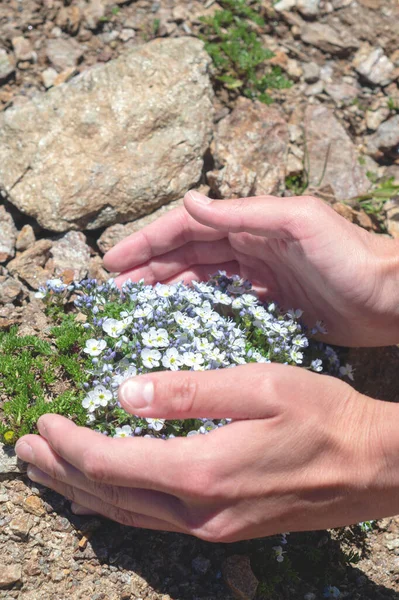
(284, 218)
(244, 392)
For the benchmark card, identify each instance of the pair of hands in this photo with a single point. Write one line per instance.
(305, 451)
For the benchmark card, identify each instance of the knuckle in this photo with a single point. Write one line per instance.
(94, 465)
(218, 530)
(186, 394)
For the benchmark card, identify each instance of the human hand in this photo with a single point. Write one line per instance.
(304, 451)
(297, 251)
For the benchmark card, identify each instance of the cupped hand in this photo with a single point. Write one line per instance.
(304, 451)
(297, 251)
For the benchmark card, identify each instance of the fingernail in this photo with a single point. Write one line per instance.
(24, 451)
(36, 474)
(137, 394)
(199, 198)
(41, 427)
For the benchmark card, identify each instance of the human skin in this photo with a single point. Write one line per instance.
(304, 451)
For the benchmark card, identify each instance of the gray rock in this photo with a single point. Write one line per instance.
(326, 38)
(249, 148)
(26, 238)
(374, 118)
(93, 13)
(116, 233)
(342, 93)
(311, 72)
(8, 235)
(10, 289)
(386, 139)
(71, 253)
(8, 462)
(308, 8)
(63, 53)
(48, 77)
(30, 265)
(7, 66)
(201, 565)
(239, 577)
(374, 66)
(10, 575)
(23, 50)
(332, 157)
(113, 144)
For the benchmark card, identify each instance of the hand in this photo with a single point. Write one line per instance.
(297, 251)
(305, 451)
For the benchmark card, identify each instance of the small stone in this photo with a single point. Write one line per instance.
(126, 35)
(239, 577)
(10, 575)
(284, 5)
(326, 38)
(21, 525)
(294, 165)
(34, 505)
(25, 238)
(7, 67)
(374, 118)
(308, 8)
(309, 596)
(8, 462)
(8, 235)
(23, 50)
(386, 139)
(29, 266)
(48, 77)
(201, 565)
(374, 66)
(342, 93)
(63, 53)
(71, 252)
(65, 76)
(311, 72)
(93, 13)
(315, 89)
(68, 19)
(10, 289)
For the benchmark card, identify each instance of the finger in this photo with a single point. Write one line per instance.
(278, 218)
(136, 462)
(100, 507)
(174, 262)
(215, 394)
(80, 510)
(171, 231)
(150, 503)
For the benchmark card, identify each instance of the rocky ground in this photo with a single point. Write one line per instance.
(109, 112)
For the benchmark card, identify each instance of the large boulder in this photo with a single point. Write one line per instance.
(332, 159)
(114, 143)
(250, 151)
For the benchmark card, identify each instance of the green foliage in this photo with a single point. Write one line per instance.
(392, 104)
(233, 40)
(155, 26)
(38, 377)
(296, 184)
(373, 202)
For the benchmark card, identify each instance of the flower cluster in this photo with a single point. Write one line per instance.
(213, 325)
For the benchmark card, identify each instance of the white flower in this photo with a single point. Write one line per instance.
(222, 298)
(237, 303)
(321, 328)
(317, 365)
(203, 344)
(207, 427)
(279, 553)
(95, 347)
(165, 291)
(296, 356)
(143, 312)
(113, 328)
(172, 360)
(216, 356)
(90, 403)
(249, 300)
(156, 338)
(123, 432)
(192, 297)
(102, 395)
(295, 314)
(151, 358)
(347, 371)
(40, 295)
(147, 294)
(193, 359)
(156, 424)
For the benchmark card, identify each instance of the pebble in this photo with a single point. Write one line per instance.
(26, 237)
(201, 565)
(48, 77)
(63, 53)
(21, 525)
(8, 235)
(239, 577)
(10, 575)
(23, 50)
(311, 72)
(7, 67)
(34, 505)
